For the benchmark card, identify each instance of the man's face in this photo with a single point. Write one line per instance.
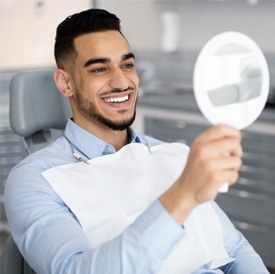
(105, 82)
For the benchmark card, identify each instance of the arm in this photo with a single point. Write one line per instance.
(206, 170)
(52, 241)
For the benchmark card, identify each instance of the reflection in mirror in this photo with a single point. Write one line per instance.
(241, 76)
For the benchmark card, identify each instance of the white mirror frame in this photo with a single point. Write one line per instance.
(250, 114)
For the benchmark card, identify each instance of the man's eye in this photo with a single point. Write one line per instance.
(128, 66)
(98, 70)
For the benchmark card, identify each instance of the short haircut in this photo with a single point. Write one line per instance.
(92, 20)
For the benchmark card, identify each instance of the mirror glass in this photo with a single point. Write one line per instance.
(231, 80)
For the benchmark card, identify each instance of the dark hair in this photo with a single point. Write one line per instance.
(92, 20)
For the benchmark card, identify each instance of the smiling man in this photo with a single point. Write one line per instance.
(102, 85)
(179, 230)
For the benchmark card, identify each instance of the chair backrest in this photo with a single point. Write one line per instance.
(11, 261)
(38, 113)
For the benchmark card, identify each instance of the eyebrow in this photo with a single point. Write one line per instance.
(128, 56)
(105, 60)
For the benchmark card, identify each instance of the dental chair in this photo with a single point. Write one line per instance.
(38, 114)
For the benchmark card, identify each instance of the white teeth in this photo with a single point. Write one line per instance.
(117, 99)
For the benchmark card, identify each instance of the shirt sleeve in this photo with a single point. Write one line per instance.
(52, 241)
(246, 258)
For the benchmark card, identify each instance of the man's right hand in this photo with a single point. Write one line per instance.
(215, 158)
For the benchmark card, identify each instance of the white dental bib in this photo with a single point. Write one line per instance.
(110, 192)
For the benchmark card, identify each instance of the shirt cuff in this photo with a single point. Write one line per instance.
(159, 231)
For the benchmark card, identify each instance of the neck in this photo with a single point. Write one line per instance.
(116, 138)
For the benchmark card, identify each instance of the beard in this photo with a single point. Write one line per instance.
(89, 109)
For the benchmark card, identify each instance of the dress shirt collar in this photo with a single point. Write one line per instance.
(89, 144)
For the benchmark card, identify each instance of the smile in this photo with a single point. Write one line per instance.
(117, 99)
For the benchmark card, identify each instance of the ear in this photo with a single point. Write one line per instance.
(63, 82)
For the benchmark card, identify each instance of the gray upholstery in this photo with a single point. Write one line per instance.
(11, 261)
(38, 113)
(35, 103)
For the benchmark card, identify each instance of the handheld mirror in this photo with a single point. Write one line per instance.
(231, 81)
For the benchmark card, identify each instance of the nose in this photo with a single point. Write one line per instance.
(119, 80)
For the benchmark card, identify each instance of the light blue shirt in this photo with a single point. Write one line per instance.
(52, 241)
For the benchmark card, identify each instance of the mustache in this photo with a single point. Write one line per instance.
(117, 90)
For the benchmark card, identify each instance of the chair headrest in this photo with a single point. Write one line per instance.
(36, 103)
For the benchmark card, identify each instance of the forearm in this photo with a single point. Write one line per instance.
(177, 202)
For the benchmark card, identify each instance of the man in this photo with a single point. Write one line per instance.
(96, 70)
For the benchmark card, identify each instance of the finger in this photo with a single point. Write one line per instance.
(219, 132)
(225, 163)
(213, 184)
(218, 148)
(225, 147)
(219, 178)
(231, 177)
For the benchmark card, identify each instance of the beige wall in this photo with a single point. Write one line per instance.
(199, 21)
(27, 30)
